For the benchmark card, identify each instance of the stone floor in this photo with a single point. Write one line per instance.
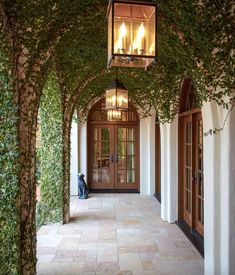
(116, 234)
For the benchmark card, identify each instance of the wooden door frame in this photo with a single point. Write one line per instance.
(135, 124)
(90, 126)
(189, 230)
(181, 156)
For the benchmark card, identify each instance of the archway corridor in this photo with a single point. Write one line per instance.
(53, 64)
(116, 234)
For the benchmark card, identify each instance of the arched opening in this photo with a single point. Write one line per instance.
(113, 150)
(191, 184)
(157, 161)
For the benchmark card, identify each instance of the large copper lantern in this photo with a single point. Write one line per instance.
(116, 96)
(131, 33)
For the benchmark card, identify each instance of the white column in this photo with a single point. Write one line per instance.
(147, 155)
(231, 205)
(74, 159)
(219, 191)
(169, 171)
(82, 149)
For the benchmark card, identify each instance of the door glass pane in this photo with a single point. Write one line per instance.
(121, 148)
(126, 155)
(96, 176)
(131, 176)
(101, 151)
(200, 157)
(105, 147)
(122, 162)
(130, 148)
(188, 178)
(121, 176)
(199, 210)
(131, 162)
(105, 175)
(130, 134)
(189, 202)
(189, 132)
(122, 134)
(105, 134)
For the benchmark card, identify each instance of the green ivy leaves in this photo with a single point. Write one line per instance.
(49, 209)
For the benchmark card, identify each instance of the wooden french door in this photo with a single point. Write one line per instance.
(113, 157)
(192, 206)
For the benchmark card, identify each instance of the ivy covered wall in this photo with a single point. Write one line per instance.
(49, 209)
(9, 176)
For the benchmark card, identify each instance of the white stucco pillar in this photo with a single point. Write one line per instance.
(78, 159)
(231, 205)
(82, 149)
(147, 155)
(219, 191)
(169, 170)
(74, 159)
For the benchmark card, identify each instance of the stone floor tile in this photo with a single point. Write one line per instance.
(60, 269)
(45, 258)
(145, 272)
(49, 240)
(107, 255)
(102, 267)
(130, 261)
(120, 234)
(147, 265)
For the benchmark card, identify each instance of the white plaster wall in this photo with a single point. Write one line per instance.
(147, 155)
(74, 159)
(219, 191)
(169, 171)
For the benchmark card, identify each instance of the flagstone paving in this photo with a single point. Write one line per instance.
(116, 234)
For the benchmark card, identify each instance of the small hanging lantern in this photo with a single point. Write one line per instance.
(116, 96)
(131, 33)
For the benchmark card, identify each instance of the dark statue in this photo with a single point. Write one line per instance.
(82, 187)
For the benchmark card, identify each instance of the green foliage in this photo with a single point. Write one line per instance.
(9, 177)
(49, 209)
(195, 40)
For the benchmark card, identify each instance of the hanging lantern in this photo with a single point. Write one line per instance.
(116, 96)
(131, 33)
(114, 115)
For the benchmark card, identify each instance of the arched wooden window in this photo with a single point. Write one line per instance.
(191, 184)
(98, 113)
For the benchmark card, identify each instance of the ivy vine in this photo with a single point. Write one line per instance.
(9, 173)
(49, 208)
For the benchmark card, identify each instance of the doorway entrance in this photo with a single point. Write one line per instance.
(113, 150)
(191, 184)
(192, 164)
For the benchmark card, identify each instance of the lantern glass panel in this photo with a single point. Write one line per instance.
(122, 99)
(110, 99)
(134, 39)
